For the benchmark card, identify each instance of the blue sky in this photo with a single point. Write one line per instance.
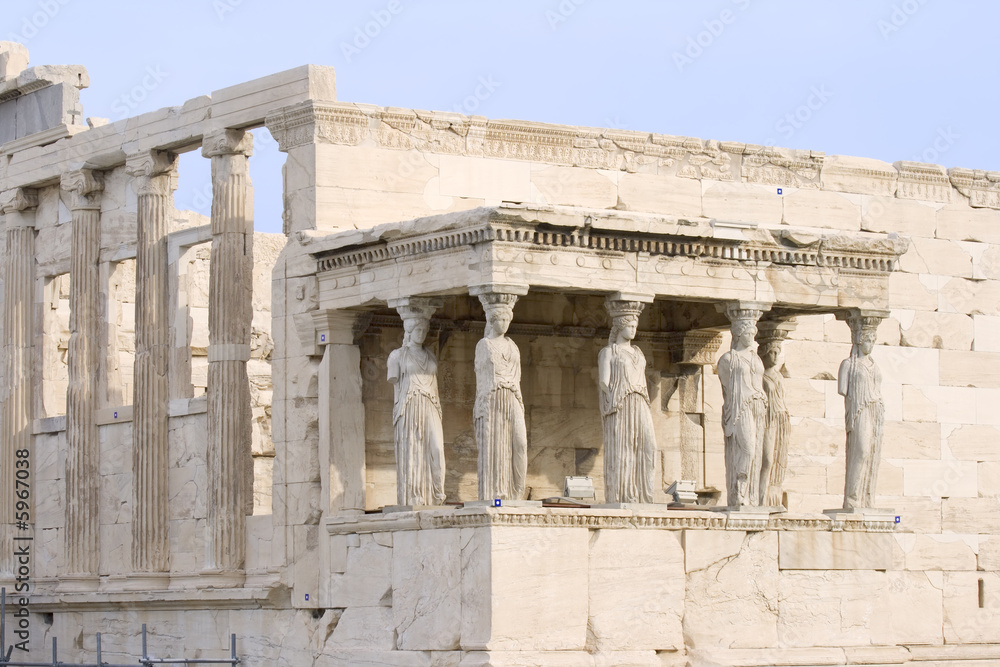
(889, 79)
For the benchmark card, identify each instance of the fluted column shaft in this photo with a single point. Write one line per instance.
(153, 181)
(83, 448)
(230, 465)
(15, 436)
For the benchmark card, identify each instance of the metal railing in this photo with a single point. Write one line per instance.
(144, 661)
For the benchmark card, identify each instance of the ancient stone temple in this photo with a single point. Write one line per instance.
(363, 441)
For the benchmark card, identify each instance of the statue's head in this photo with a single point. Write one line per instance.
(866, 342)
(770, 353)
(863, 330)
(744, 332)
(499, 309)
(416, 322)
(624, 318)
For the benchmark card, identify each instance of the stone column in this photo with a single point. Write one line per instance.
(341, 411)
(15, 436)
(694, 350)
(230, 465)
(860, 383)
(498, 415)
(771, 334)
(82, 543)
(153, 181)
(744, 405)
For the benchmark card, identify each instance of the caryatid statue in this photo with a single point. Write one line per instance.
(416, 409)
(744, 406)
(777, 425)
(501, 435)
(860, 383)
(629, 443)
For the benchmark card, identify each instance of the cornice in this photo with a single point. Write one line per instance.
(876, 255)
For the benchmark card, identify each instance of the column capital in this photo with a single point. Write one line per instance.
(227, 142)
(86, 186)
(319, 328)
(17, 199)
(738, 311)
(698, 347)
(498, 295)
(770, 331)
(854, 313)
(863, 321)
(147, 169)
(416, 306)
(638, 297)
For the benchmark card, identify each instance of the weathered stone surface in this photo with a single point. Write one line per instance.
(595, 211)
(888, 214)
(636, 581)
(367, 580)
(831, 607)
(426, 590)
(814, 208)
(989, 553)
(855, 174)
(953, 331)
(938, 552)
(745, 203)
(572, 186)
(974, 443)
(834, 551)
(959, 222)
(987, 333)
(539, 590)
(970, 515)
(966, 617)
(970, 369)
(940, 479)
(660, 194)
(735, 586)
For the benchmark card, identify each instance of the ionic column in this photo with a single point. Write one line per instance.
(230, 466)
(153, 181)
(18, 207)
(83, 449)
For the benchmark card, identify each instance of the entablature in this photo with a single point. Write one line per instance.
(599, 251)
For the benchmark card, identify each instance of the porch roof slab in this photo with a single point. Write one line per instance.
(561, 248)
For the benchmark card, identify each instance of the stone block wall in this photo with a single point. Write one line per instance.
(558, 594)
(937, 350)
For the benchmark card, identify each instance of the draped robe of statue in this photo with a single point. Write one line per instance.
(499, 420)
(416, 418)
(629, 444)
(777, 431)
(861, 382)
(744, 411)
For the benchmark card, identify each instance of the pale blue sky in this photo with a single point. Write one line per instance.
(889, 79)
